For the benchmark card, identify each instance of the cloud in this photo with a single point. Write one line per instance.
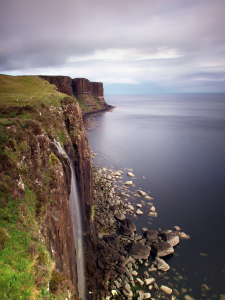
(170, 43)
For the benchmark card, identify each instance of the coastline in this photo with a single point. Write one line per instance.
(134, 267)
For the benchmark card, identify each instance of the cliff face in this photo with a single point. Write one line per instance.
(89, 94)
(63, 83)
(35, 180)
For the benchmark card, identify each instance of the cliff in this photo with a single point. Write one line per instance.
(90, 95)
(36, 224)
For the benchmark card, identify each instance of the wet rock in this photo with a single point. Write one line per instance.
(176, 292)
(142, 193)
(152, 214)
(141, 282)
(149, 281)
(128, 183)
(130, 174)
(205, 287)
(153, 209)
(187, 297)
(140, 251)
(177, 228)
(151, 235)
(166, 289)
(170, 237)
(128, 223)
(162, 249)
(119, 216)
(183, 235)
(162, 265)
(139, 212)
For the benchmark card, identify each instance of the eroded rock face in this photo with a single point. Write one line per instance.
(139, 251)
(63, 83)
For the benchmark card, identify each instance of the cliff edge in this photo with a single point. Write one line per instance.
(90, 95)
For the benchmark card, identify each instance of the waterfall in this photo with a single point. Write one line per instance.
(77, 225)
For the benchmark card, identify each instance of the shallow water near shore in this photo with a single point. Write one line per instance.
(177, 142)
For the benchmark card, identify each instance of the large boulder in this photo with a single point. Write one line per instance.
(139, 251)
(162, 249)
(151, 235)
(119, 216)
(129, 224)
(170, 237)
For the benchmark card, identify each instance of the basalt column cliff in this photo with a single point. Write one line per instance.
(90, 95)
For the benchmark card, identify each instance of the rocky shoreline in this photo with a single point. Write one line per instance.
(123, 250)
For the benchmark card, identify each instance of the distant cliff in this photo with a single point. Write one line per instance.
(90, 95)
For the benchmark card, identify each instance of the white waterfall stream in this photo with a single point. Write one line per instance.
(77, 225)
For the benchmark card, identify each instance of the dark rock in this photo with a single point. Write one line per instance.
(129, 224)
(151, 235)
(111, 239)
(140, 251)
(162, 249)
(124, 230)
(100, 264)
(112, 207)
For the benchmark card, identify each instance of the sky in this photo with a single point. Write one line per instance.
(132, 46)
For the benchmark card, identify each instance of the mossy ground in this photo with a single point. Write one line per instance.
(29, 106)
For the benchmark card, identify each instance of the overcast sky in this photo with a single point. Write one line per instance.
(131, 46)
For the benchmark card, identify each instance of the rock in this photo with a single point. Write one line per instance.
(128, 183)
(205, 287)
(117, 174)
(109, 177)
(140, 281)
(142, 193)
(170, 237)
(153, 209)
(187, 297)
(156, 286)
(130, 207)
(151, 235)
(177, 228)
(111, 239)
(134, 273)
(119, 216)
(147, 295)
(139, 212)
(183, 235)
(139, 205)
(149, 198)
(176, 292)
(140, 251)
(152, 214)
(124, 195)
(162, 265)
(162, 249)
(127, 287)
(166, 289)
(149, 281)
(130, 174)
(128, 223)
(124, 230)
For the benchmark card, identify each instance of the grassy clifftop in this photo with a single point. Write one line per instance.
(32, 184)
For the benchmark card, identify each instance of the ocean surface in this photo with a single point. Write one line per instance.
(177, 142)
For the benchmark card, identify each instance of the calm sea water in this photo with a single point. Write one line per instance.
(177, 142)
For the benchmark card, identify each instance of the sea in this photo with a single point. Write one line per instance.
(175, 146)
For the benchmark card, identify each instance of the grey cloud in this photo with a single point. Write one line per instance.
(42, 35)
